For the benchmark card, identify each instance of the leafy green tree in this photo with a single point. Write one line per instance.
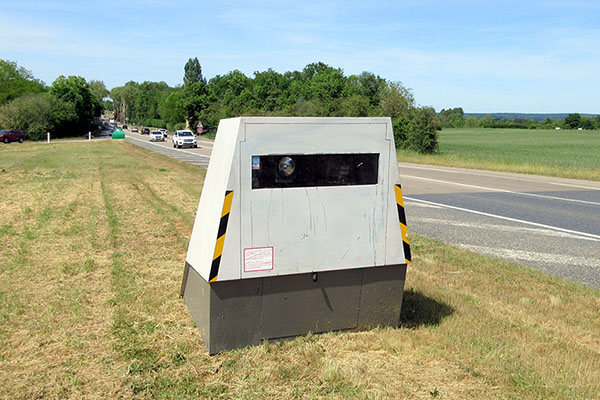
(145, 101)
(36, 114)
(269, 89)
(471, 122)
(486, 122)
(573, 120)
(108, 105)
(192, 72)
(123, 97)
(234, 82)
(16, 81)
(422, 132)
(547, 123)
(326, 88)
(313, 69)
(401, 127)
(326, 85)
(396, 100)
(367, 85)
(452, 118)
(75, 91)
(99, 91)
(355, 106)
(234, 92)
(171, 109)
(588, 123)
(196, 98)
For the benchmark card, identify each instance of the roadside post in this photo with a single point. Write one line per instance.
(48, 137)
(300, 228)
(89, 136)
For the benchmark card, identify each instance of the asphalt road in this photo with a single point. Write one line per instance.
(550, 224)
(197, 156)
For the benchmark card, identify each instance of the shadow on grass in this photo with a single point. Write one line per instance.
(419, 310)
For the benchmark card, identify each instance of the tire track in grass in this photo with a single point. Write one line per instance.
(133, 331)
(57, 289)
(164, 209)
(129, 345)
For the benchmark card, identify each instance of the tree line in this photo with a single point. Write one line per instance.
(65, 108)
(455, 118)
(68, 106)
(318, 90)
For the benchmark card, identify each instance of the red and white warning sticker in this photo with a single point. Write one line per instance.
(258, 259)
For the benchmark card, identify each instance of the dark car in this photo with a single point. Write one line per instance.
(145, 131)
(12, 135)
(124, 126)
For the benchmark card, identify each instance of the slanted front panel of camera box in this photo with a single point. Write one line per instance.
(286, 196)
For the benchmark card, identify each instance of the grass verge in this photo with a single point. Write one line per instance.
(563, 153)
(93, 252)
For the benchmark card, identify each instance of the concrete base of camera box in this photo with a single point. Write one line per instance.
(234, 314)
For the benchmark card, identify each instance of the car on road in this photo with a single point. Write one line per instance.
(124, 126)
(134, 129)
(156, 136)
(12, 135)
(164, 132)
(145, 131)
(184, 138)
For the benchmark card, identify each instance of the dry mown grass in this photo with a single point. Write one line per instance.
(93, 249)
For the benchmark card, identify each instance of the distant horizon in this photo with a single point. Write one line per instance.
(529, 113)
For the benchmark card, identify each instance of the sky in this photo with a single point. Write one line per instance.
(484, 56)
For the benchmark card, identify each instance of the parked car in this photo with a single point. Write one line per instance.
(164, 132)
(12, 135)
(134, 129)
(155, 136)
(145, 131)
(184, 138)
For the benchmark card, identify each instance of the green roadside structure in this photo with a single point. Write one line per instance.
(118, 134)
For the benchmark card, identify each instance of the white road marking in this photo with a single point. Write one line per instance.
(497, 175)
(423, 205)
(589, 235)
(523, 255)
(505, 228)
(502, 190)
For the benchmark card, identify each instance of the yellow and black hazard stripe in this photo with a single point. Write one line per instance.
(403, 227)
(214, 268)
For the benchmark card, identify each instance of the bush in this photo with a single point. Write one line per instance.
(400, 126)
(37, 114)
(419, 132)
(422, 132)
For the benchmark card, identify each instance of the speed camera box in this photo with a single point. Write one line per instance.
(300, 228)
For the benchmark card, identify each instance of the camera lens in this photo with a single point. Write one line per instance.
(286, 166)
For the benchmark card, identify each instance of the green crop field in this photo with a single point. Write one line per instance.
(94, 238)
(562, 153)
